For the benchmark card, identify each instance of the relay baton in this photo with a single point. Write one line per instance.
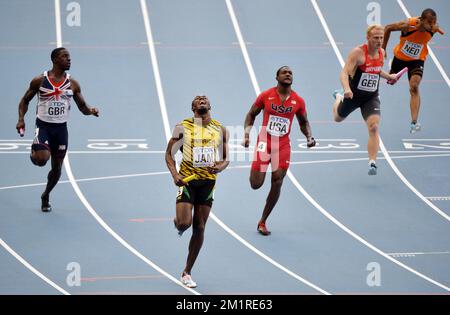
(21, 132)
(398, 75)
(189, 178)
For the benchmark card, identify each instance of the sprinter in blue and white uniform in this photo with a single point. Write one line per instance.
(55, 90)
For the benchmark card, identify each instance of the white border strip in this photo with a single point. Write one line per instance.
(432, 55)
(31, 268)
(382, 147)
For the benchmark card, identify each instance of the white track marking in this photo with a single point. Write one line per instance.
(439, 198)
(417, 254)
(382, 147)
(112, 232)
(168, 136)
(119, 140)
(31, 268)
(289, 173)
(90, 179)
(155, 67)
(430, 51)
(86, 203)
(267, 258)
(2, 243)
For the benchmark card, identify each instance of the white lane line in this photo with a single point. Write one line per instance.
(91, 209)
(382, 147)
(430, 51)
(439, 198)
(117, 140)
(412, 254)
(112, 232)
(389, 160)
(89, 179)
(31, 268)
(168, 136)
(3, 243)
(289, 173)
(155, 68)
(425, 139)
(267, 258)
(58, 23)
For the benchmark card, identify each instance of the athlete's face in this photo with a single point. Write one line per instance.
(375, 38)
(429, 22)
(201, 105)
(285, 76)
(63, 60)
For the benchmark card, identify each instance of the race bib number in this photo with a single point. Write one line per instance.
(278, 126)
(368, 82)
(56, 109)
(412, 50)
(203, 156)
(261, 147)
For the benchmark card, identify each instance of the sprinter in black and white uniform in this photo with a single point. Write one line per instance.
(55, 89)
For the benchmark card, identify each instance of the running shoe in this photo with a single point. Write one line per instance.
(339, 92)
(262, 229)
(414, 127)
(187, 281)
(372, 169)
(180, 233)
(45, 205)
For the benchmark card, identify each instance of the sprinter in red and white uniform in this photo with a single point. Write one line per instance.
(280, 104)
(55, 89)
(360, 78)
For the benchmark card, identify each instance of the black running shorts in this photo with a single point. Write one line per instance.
(197, 192)
(53, 136)
(368, 107)
(414, 66)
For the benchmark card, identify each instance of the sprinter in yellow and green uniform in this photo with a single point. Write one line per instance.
(204, 144)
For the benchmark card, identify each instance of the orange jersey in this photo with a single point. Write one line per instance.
(413, 43)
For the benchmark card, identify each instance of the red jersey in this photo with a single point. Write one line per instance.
(278, 115)
(365, 81)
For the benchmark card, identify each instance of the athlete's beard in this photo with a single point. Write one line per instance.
(285, 85)
(202, 110)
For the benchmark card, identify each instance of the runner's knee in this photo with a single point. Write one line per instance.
(255, 184)
(39, 157)
(277, 180)
(183, 226)
(373, 127)
(414, 88)
(198, 228)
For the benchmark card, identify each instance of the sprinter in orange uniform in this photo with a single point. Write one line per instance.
(411, 52)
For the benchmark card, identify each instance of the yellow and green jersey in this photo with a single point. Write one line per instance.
(200, 148)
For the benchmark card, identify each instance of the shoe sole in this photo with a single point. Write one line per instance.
(263, 232)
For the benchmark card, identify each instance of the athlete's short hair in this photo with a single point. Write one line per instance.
(372, 27)
(55, 53)
(278, 71)
(427, 12)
